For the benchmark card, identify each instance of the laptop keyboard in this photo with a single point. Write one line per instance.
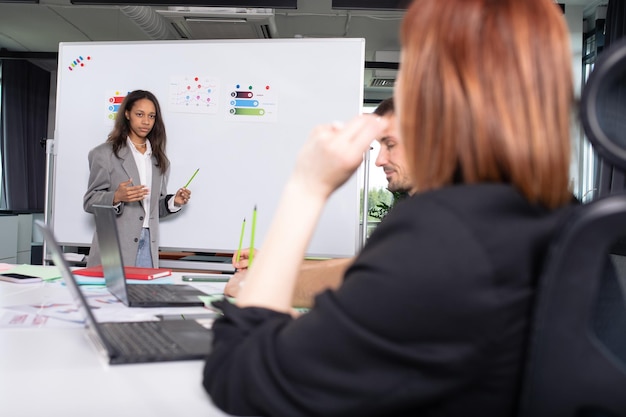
(140, 338)
(152, 292)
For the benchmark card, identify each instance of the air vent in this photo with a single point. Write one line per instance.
(216, 23)
(383, 82)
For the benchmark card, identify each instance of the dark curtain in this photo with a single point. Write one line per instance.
(23, 126)
(611, 179)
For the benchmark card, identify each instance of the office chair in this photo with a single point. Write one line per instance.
(576, 357)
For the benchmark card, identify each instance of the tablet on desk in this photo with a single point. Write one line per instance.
(207, 277)
(19, 278)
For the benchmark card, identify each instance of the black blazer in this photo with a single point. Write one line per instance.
(431, 319)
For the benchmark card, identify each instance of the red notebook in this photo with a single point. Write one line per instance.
(131, 272)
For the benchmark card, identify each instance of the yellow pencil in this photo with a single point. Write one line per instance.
(243, 228)
(252, 237)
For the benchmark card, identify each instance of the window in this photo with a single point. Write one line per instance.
(378, 198)
(593, 43)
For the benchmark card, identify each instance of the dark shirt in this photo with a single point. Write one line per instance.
(431, 319)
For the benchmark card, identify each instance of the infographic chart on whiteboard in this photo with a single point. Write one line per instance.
(194, 94)
(244, 102)
(253, 102)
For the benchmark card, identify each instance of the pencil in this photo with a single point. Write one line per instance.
(251, 256)
(192, 177)
(243, 228)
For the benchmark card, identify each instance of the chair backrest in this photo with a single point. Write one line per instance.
(577, 349)
(576, 357)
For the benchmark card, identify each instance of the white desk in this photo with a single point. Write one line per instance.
(56, 370)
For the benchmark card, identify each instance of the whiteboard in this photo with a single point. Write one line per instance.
(245, 151)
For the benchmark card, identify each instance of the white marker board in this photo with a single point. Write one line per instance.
(239, 110)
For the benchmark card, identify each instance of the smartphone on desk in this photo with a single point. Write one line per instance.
(19, 278)
(207, 278)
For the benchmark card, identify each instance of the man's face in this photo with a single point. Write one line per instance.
(392, 158)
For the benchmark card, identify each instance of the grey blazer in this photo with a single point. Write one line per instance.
(106, 172)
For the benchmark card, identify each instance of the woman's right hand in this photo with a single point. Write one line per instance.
(334, 151)
(127, 192)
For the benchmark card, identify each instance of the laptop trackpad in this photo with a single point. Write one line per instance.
(190, 335)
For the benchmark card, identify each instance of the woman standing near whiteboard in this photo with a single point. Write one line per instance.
(130, 171)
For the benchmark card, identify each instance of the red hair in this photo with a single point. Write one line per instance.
(485, 94)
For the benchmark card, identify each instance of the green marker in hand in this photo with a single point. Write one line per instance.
(192, 177)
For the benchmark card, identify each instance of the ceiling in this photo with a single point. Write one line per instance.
(40, 27)
(33, 31)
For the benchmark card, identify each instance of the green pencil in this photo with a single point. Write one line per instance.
(243, 228)
(192, 177)
(252, 237)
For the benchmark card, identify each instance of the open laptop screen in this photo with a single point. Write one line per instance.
(110, 252)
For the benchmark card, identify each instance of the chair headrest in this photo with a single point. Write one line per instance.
(603, 105)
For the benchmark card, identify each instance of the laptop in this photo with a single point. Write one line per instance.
(135, 295)
(133, 342)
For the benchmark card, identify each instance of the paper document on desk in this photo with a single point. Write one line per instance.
(47, 273)
(42, 314)
(28, 316)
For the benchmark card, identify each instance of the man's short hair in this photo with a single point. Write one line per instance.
(384, 107)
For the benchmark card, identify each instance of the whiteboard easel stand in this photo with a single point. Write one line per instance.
(366, 186)
(49, 195)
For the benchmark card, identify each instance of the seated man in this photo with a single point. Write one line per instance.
(317, 276)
